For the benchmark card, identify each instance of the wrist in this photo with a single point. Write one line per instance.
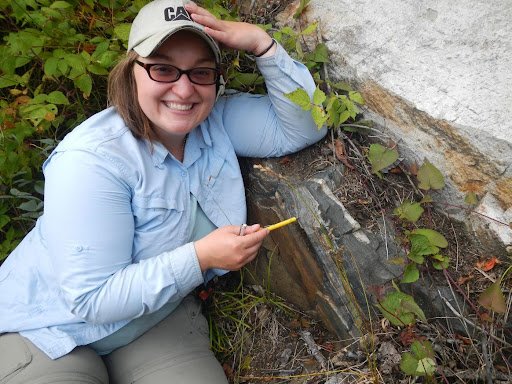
(201, 258)
(267, 49)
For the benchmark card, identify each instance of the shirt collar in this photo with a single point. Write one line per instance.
(200, 138)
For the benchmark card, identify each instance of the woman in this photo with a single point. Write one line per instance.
(143, 203)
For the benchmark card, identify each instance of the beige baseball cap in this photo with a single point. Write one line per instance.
(160, 19)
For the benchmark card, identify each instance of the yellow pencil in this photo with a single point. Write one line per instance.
(281, 224)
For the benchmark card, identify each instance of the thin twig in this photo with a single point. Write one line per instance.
(456, 249)
(385, 234)
(487, 358)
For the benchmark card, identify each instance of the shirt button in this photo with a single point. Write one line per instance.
(79, 248)
(183, 174)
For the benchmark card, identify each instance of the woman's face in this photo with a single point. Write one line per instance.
(176, 108)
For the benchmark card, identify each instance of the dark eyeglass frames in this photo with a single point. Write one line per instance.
(166, 73)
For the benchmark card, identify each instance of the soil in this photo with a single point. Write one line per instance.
(265, 339)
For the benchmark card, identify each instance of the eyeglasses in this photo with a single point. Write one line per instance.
(166, 73)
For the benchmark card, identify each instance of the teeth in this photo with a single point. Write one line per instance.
(179, 107)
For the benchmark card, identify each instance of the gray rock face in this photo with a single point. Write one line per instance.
(436, 77)
(324, 263)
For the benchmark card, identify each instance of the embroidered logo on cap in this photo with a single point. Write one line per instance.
(179, 14)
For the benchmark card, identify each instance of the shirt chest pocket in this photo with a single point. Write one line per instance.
(154, 213)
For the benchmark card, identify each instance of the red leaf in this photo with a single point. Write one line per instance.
(204, 294)
(487, 265)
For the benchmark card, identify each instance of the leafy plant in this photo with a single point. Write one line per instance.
(381, 157)
(400, 308)
(332, 110)
(54, 59)
(420, 361)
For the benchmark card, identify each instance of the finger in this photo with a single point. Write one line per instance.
(252, 228)
(210, 22)
(192, 7)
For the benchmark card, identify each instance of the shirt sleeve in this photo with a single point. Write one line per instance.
(271, 125)
(89, 231)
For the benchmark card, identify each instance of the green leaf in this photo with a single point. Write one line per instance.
(301, 98)
(430, 177)
(9, 81)
(420, 246)
(400, 309)
(101, 48)
(319, 116)
(318, 96)
(356, 97)
(109, 58)
(419, 362)
(422, 349)
(409, 364)
(57, 97)
(471, 198)
(426, 366)
(84, 83)
(76, 63)
(97, 69)
(245, 79)
(51, 67)
(411, 306)
(122, 31)
(30, 206)
(4, 219)
(344, 116)
(310, 28)
(60, 5)
(320, 54)
(411, 274)
(409, 211)
(380, 157)
(342, 86)
(440, 262)
(492, 298)
(434, 237)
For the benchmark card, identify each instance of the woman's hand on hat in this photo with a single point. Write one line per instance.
(232, 34)
(224, 248)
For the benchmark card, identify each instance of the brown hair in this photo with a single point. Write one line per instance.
(122, 94)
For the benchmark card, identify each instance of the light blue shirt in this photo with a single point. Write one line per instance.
(201, 226)
(113, 242)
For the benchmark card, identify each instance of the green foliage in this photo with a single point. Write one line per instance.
(471, 198)
(409, 211)
(381, 157)
(430, 177)
(420, 361)
(333, 108)
(54, 59)
(400, 308)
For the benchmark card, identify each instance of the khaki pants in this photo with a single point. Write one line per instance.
(175, 351)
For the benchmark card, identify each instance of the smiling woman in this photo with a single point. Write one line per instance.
(143, 203)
